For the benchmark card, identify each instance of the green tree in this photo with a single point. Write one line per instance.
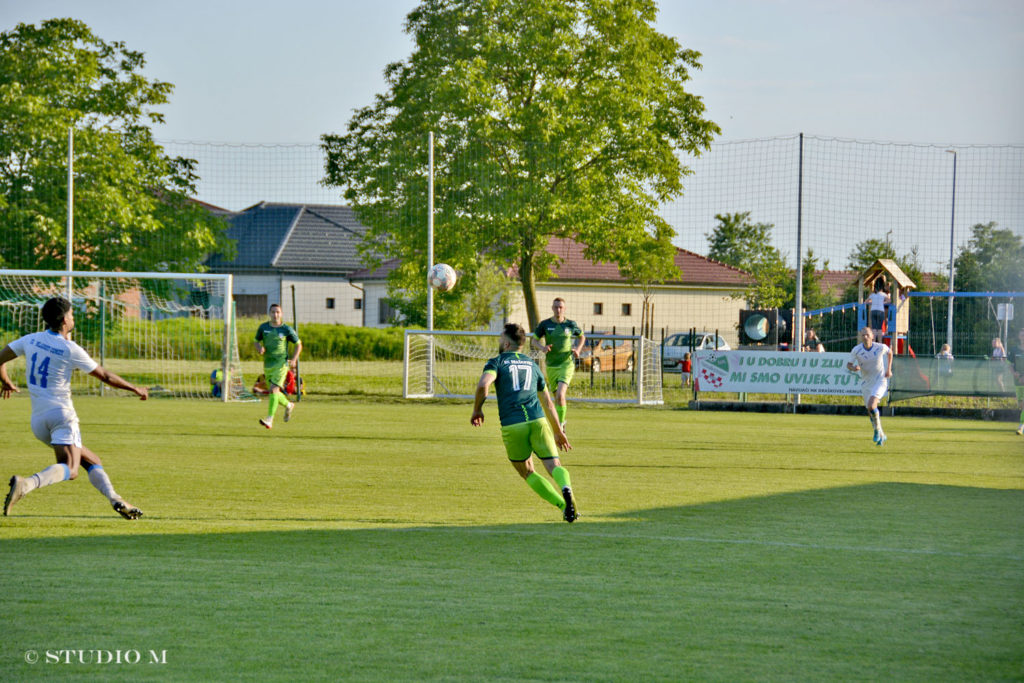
(647, 262)
(131, 201)
(868, 251)
(737, 242)
(553, 118)
(813, 296)
(992, 261)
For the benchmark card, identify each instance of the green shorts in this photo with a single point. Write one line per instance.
(560, 373)
(275, 375)
(526, 438)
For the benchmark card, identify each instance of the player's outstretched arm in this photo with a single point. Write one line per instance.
(7, 354)
(556, 427)
(294, 360)
(107, 377)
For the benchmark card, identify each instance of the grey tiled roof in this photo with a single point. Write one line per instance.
(295, 238)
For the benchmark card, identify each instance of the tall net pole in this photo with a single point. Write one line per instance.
(71, 205)
(952, 223)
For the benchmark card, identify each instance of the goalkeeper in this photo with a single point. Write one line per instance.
(272, 343)
(557, 334)
(528, 421)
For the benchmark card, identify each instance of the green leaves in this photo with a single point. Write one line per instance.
(131, 203)
(993, 261)
(552, 118)
(737, 242)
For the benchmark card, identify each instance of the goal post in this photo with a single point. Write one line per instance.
(171, 332)
(613, 368)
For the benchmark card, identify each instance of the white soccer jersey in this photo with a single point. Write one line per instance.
(50, 359)
(871, 362)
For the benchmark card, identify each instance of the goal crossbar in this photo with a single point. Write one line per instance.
(613, 368)
(28, 286)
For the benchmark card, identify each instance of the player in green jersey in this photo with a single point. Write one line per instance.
(554, 336)
(272, 343)
(528, 421)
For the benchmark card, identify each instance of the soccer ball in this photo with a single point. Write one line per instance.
(441, 277)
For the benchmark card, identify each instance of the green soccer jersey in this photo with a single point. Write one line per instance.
(517, 381)
(559, 336)
(275, 343)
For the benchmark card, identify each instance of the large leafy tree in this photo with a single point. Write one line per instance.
(131, 206)
(553, 118)
(736, 241)
(992, 261)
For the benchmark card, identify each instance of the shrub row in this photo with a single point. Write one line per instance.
(322, 341)
(202, 338)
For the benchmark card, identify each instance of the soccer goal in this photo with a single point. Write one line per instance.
(171, 332)
(613, 368)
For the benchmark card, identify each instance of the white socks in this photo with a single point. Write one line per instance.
(98, 478)
(54, 474)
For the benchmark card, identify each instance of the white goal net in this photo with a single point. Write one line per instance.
(612, 368)
(170, 332)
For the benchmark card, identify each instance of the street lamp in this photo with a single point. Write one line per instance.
(952, 220)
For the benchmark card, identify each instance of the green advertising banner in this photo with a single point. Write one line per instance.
(775, 372)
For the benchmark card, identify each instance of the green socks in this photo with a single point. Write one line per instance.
(560, 412)
(545, 489)
(561, 475)
(273, 403)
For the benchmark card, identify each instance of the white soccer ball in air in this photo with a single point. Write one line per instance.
(442, 277)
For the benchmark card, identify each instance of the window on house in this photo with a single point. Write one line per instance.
(330, 302)
(357, 304)
(598, 309)
(250, 305)
(385, 313)
(627, 309)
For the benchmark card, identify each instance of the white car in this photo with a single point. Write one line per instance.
(678, 345)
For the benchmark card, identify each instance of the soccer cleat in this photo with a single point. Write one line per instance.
(267, 422)
(881, 438)
(875, 438)
(569, 511)
(288, 411)
(1020, 430)
(17, 492)
(126, 509)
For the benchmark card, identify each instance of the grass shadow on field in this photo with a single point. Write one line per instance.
(876, 581)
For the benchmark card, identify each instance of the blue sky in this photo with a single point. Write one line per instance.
(253, 71)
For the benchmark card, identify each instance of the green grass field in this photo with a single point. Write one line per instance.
(392, 541)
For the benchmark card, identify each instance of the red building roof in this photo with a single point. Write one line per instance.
(694, 268)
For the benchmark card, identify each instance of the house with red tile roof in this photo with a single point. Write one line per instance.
(704, 295)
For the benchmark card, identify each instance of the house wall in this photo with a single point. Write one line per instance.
(676, 309)
(257, 285)
(314, 295)
(375, 291)
(311, 295)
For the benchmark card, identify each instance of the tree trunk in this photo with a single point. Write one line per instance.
(529, 292)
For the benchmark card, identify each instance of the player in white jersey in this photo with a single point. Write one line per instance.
(874, 363)
(51, 358)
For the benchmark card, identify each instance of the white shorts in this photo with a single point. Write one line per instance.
(57, 427)
(876, 389)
